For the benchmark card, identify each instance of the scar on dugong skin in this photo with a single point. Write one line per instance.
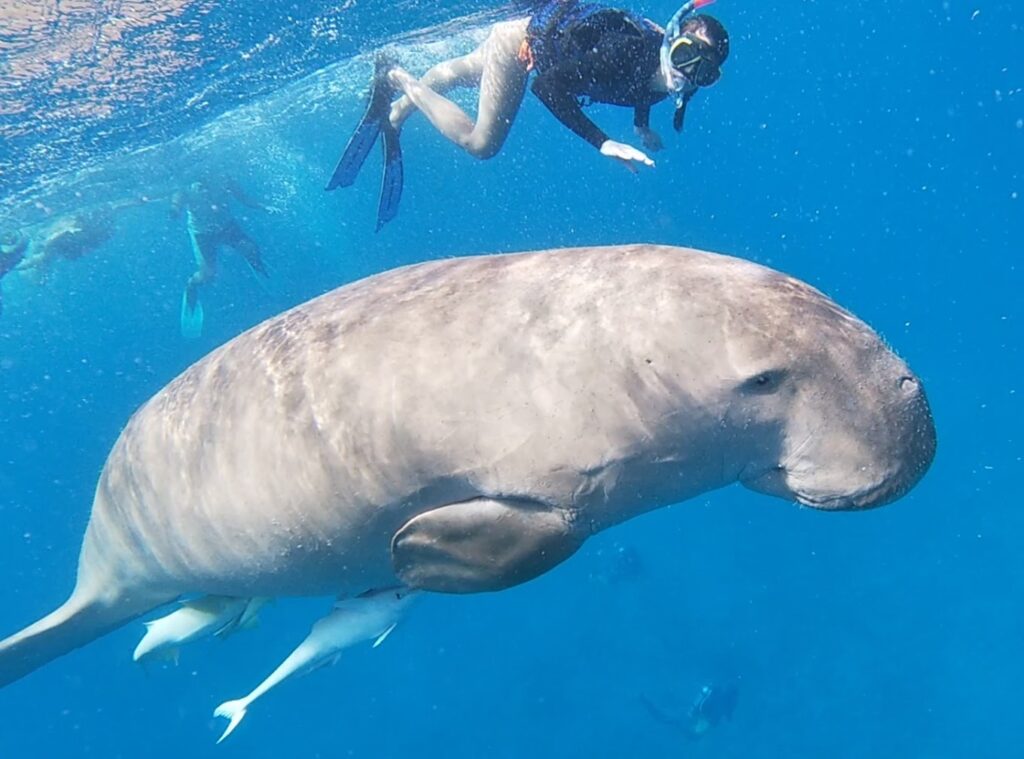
(464, 425)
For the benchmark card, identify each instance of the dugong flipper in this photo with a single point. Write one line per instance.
(465, 424)
(482, 544)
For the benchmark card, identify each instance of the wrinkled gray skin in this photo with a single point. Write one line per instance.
(464, 425)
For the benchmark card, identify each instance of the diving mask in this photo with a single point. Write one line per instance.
(695, 59)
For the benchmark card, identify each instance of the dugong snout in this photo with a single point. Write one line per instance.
(897, 462)
(871, 449)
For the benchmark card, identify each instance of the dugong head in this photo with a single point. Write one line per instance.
(838, 421)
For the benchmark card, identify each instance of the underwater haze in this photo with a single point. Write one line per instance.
(875, 151)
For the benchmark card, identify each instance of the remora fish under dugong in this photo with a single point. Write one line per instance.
(464, 425)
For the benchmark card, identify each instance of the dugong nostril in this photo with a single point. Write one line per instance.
(909, 384)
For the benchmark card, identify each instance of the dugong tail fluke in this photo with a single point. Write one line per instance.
(81, 620)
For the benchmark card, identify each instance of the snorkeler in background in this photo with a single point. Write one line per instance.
(73, 236)
(715, 703)
(578, 51)
(211, 225)
(12, 251)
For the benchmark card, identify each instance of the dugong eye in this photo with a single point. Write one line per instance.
(763, 383)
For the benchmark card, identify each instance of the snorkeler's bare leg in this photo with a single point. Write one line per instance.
(443, 78)
(502, 85)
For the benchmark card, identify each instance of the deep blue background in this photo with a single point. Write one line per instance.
(875, 151)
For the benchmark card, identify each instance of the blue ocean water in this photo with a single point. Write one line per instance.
(875, 151)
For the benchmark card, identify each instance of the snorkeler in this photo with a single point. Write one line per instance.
(73, 236)
(714, 704)
(207, 206)
(579, 52)
(12, 251)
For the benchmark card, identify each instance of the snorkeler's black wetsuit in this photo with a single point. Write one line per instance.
(604, 55)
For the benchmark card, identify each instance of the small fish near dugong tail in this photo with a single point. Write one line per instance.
(464, 425)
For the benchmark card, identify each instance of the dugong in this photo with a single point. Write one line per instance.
(464, 425)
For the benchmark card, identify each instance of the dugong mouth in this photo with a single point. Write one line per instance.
(782, 483)
(869, 499)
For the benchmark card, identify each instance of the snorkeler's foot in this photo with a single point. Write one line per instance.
(400, 78)
(191, 316)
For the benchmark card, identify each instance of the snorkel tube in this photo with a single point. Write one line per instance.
(676, 83)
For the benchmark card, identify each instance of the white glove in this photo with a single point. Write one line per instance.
(625, 154)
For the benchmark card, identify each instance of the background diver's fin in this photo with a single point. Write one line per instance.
(393, 179)
(378, 111)
(191, 318)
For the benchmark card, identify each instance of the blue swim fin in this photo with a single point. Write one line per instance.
(377, 113)
(393, 178)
